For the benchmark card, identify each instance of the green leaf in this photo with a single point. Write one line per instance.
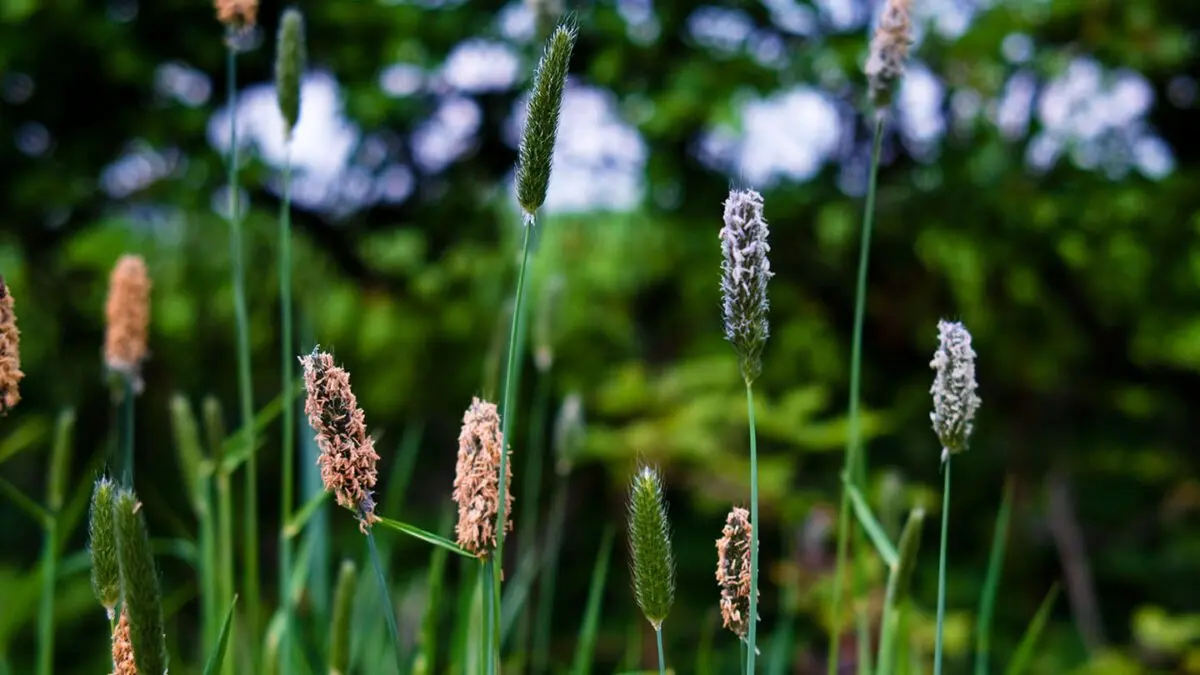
(35, 510)
(218, 655)
(991, 583)
(1024, 653)
(872, 527)
(295, 525)
(591, 617)
(423, 535)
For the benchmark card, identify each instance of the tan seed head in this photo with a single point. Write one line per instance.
(237, 13)
(128, 315)
(10, 355)
(477, 479)
(733, 571)
(122, 648)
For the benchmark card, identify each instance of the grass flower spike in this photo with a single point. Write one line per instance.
(745, 271)
(102, 544)
(128, 318)
(290, 60)
(10, 355)
(348, 456)
(140, 595)
(476, 479)
(889, 51)
(954, 399)
(122, 648)
(733, 571)
(650, 547)
(237, 13)
(536, 153)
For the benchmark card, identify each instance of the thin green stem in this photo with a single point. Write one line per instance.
(752, 649)
(287, 363)
(662, 662)
(242, 318)
(127, 430)
(507, 413)
(385, 594)
(855, 466)
(225, 546)
(46, 610)
(489, 616)
(941, 606)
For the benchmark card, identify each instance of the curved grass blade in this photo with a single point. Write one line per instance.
(871, 525)
(295, 524)
(218, 654)
(423, 535)
(1024, 653)
(991, 584)
(591, 618)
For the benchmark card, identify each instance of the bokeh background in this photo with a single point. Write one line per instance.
(1039, 183)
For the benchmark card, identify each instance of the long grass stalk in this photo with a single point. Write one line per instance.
(389, 607)
(662, 661)
(250, 579)
(941, 601)
(855, 465)
(532, 478)
(751, 637)
(489, 617)
(287, 365)
(60, 456)
(215, 430)
(991, 584)
(552, 548)
(585, 649)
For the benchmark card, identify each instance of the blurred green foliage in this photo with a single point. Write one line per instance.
(1078, 286)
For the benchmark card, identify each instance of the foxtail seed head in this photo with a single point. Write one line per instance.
(477, 479)
(954, 399)
(536, 154)
(745, 271)
(140, 595)
(122, 648)
(128, 318)
(733, 571)
(102, 543)
(348, 456)
(290, 61)
(652, 563)
(889, 51)
(10, 353)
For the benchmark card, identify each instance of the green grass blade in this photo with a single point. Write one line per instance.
(756, 525)
(295, 525)
(941, 601)
(585, 649)
(991, 584)
(22, 437)
(32, 508)
(218, 654)
(871, 525)
(343, 605)
(546, 587)
(1024, 653)
(427, 656)
(389, 607)
(423, 535)
(235, 451)
(60, 458)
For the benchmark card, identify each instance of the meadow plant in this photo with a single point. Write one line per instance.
(10, 352)
(884, 69)
(651, 562)
(954, 407)
(745, 271)
(476, 479)
(102, 545)
(141, 598)
(733, 573)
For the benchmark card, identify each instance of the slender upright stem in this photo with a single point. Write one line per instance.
(287, 364)
(662, 662)
(126, 409)
(507, 413)
(241, 315)
(46, 610)
(941, 606)
(855, 466)
(385, 595)
(489, 617)
(752, 648)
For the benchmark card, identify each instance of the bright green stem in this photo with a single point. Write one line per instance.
(662, 662)
(507, 413)
(754, 527)
(489, 616)
(941, 606)
(127, 431)
(855, 467)
(287, 365)
(241, 315)
(389, 607)
(46, 610)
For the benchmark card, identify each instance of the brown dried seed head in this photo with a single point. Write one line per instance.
(128, 315)
(889, 51)
(348, 458)
(477, 479)
(122, 648)
(10, 354)
(237, 13)
(733, 571)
